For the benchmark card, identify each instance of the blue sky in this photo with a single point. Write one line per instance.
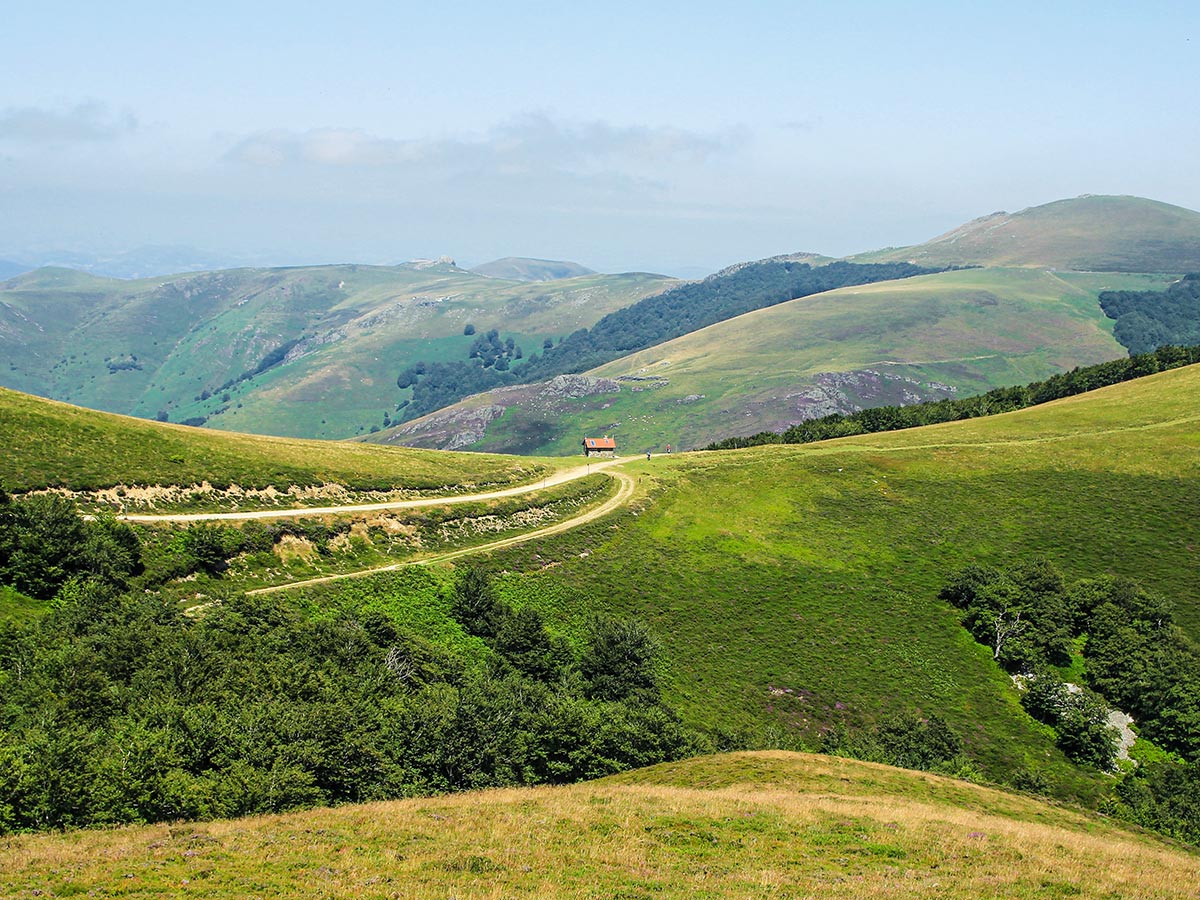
(662, 136)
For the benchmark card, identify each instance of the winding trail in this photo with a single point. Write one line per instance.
(619, 499)
(561, 477)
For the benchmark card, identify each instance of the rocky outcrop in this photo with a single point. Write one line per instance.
(466, 423)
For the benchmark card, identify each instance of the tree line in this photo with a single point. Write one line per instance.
(1000, 400)
(1145, 320)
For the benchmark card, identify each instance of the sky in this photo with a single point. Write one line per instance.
(668, 137)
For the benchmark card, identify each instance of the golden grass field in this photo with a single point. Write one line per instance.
(748, 825)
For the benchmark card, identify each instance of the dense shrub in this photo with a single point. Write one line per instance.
(906, 739)
(1136, 657)
(44, 542)
(118, 708)
(1146, 320)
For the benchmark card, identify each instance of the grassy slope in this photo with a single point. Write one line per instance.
(759, 825)
(61, 330)
(51, 443)
(797, 586)
(1090, 233)
(972, 330)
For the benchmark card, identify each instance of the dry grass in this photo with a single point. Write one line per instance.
(752, 825)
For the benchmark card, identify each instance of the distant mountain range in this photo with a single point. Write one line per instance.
(308, 351)
(140, 262)
(339, 351)
(8, 269)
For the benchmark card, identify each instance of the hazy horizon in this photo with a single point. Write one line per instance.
(677, 139)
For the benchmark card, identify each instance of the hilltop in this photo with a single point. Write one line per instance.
(742, 825)
(521, 268)
(1089, 233)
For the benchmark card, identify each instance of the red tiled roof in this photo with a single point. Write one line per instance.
(600, 443)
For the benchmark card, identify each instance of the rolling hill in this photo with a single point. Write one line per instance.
(796, 587)
(1029, 310)
(520, 268)
(341, 351)
(950, 334)
(744, 825)
(1089, 233)
(304, 351)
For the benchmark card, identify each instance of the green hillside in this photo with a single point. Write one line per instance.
(1089, 233)
(796, 586)
(47, 443)
(793, 590)
(310, 352)
(929, 337)
(760, 825)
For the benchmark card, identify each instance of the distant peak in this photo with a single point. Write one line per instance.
(1091, 232)
(528, 268)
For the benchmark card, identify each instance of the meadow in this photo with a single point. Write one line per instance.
(796, 587)
(758, 825)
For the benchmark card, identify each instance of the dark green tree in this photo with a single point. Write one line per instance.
(618, 661)
(475, 604)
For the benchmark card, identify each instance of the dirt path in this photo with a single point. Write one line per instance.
(619, 499)
(561, 477)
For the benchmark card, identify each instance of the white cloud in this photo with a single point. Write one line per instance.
(528, 144)
(87, 121)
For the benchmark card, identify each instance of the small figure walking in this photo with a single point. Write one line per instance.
(647, 454)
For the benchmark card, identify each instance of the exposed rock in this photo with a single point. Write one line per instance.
(450, 429)
(576, 386)
(461, 426)
(430, 263)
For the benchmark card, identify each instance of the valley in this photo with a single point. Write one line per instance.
(590, 452)
(254, 625)
(306, 352)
